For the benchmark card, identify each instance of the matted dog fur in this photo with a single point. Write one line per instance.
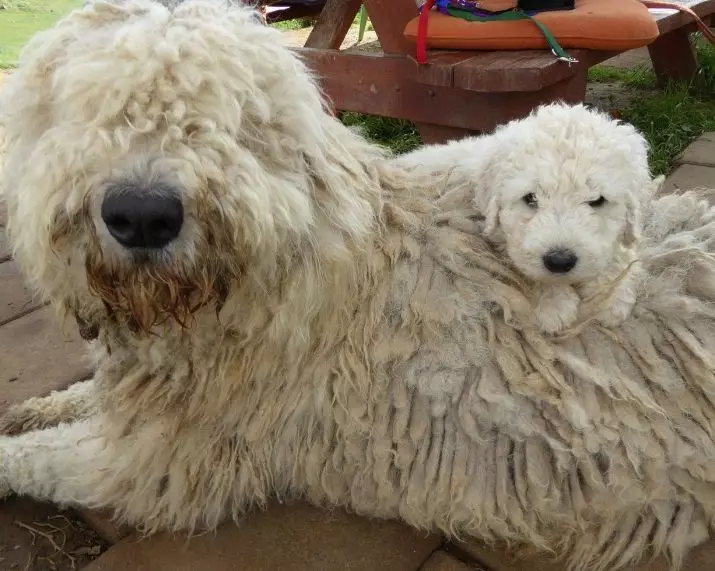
(327, 325)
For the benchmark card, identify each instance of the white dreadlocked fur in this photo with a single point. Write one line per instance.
(328, 325)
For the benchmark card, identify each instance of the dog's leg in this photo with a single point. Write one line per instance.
(556, 308)
(74, 403)
(136, 471)
(57, 464)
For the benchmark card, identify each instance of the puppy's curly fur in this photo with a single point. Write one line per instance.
(327, 325)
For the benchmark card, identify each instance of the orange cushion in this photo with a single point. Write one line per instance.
(611, 25)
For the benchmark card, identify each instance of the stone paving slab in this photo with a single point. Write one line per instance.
(105, 526)
(689, 177)
(443, 561)
(17, 299)
(700, 152)
(500, 559)
(296, 538)
(37, 357)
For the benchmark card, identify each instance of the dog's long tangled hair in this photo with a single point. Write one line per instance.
(327, 324)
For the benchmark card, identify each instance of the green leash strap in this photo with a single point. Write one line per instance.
(363, 23)
(512, 15)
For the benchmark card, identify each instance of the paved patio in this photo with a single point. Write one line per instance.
(38, 356)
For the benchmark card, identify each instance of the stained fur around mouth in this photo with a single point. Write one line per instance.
(147, 295)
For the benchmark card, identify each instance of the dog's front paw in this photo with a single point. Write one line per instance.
(556, 309)
(23, 417)
(68, 405)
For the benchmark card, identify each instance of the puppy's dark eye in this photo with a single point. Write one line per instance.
(600, 201)
(530, 200)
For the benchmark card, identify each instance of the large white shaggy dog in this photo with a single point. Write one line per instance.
(279, 310)
(562, 191)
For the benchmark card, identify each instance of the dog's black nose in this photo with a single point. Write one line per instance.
(560, 261)
(140, 218)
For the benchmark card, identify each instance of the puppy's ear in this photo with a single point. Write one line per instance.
(485, 196)
(634, 207)
(632, 231)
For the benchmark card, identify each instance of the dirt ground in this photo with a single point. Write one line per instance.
(39, 537)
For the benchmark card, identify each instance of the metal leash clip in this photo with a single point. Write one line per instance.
(568, 59)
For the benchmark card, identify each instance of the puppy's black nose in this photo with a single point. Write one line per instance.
(141, 218)
(560, 261)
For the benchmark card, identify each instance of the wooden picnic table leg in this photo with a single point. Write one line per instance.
(389, 18)
(333, 24)
(673, 56)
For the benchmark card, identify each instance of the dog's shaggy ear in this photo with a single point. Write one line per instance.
(488, 171)
(632, 231)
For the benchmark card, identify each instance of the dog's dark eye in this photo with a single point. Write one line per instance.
(600, 201)
(530, 200)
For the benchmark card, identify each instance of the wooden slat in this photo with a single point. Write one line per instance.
(439, 69)
(528, 70)
(482, 72)
(333, 24)
(380, 85)
(670, 22)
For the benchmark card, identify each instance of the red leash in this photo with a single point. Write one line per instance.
(422, 31)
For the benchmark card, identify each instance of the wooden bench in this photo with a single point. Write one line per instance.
(464, 91)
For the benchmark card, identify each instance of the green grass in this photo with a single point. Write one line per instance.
(671, 120)
(639, 77)
(671, 117)
(21, 19)
(297, 24)
(400, 136)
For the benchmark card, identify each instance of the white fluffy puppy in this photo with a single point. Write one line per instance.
(562, 190)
